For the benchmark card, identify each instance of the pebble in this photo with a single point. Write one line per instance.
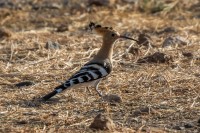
(175, 41)
(102, 122)
(112, 98)
(52, 45)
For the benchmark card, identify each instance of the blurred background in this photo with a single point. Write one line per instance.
(19, 15)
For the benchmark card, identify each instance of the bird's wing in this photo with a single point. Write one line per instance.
(89, 72)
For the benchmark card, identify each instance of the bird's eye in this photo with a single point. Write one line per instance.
(113, 35)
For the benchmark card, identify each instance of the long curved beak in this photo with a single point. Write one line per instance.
(128, 38)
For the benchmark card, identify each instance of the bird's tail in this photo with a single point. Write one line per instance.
(57, 90)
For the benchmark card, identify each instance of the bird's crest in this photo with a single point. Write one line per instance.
(100, 29)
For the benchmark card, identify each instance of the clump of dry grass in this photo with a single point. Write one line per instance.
(156, 97)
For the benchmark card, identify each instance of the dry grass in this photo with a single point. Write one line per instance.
(156, 97)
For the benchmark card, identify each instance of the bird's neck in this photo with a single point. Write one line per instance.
(106, 51)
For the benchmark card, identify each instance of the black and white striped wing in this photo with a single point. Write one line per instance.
(88, 73)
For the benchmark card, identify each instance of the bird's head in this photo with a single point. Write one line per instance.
(107, 33)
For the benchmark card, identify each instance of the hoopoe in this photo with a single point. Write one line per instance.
(99, 67)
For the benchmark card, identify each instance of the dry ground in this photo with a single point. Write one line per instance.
(156, 97)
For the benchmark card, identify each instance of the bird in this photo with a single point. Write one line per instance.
(97, 68)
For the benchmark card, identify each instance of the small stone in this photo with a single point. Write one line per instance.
(112, 98)
(188, 125)
(25, 83)
(187, 54)
(52, 45)
(141, 111)
(102, 122)
(167, 42)
(146, 111)
(175, 41)
(157, 57)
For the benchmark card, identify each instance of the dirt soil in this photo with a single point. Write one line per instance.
(42, 43)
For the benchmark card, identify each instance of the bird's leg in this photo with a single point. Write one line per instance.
(97, 88)
(88, 90)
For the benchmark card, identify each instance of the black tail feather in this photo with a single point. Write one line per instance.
(48, 96)
(53, 93)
